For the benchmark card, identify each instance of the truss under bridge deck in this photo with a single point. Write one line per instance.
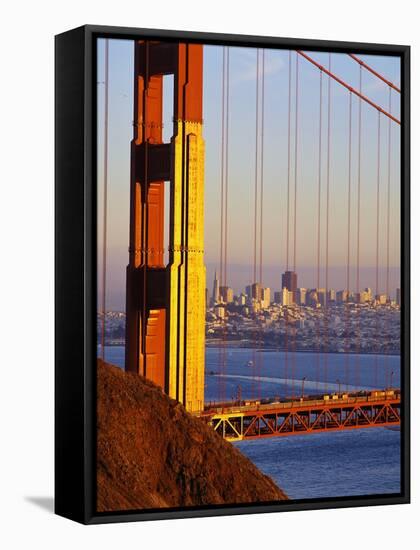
(305, 415)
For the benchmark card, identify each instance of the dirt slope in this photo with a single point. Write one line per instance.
(152, 453)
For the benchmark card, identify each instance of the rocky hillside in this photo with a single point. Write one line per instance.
(153, 454)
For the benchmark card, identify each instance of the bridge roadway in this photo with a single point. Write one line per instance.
(240, 420)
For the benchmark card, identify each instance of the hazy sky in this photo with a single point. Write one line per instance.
(242, 166)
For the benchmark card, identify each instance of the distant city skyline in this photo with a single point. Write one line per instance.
(241, 169)
(273, 278)
(289, 282)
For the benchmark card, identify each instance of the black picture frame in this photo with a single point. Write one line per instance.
(75, 272)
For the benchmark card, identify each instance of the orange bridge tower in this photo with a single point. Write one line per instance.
(165, 327)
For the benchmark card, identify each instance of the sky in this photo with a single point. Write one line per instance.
(242, 120)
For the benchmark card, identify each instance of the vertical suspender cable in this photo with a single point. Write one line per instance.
(262, 168)
(289, 142)
(295, 205)
(222, 166)
(388, 218)
(225, 282)
(359, 163)
(222, 217)
(318, 278)
(257, 124)
(348, 243)
(327, 229)
(226, 167)
(378, 182)
(296, 160)
(260, 355)
(105, 210)
(257, 101)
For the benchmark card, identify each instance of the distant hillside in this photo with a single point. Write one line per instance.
(153, 454)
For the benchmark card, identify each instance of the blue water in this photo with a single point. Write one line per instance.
(282, 375)
(353, 462)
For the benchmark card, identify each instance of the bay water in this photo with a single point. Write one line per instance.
(337, 464)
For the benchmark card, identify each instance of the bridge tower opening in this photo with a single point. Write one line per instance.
(165, 304)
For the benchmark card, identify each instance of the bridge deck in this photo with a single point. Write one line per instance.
(253, 420)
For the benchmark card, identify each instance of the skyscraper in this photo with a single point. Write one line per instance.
(256, 291)
(215, 296)
(226, 294)
(248, 292)
(289, 281)
(265, 297)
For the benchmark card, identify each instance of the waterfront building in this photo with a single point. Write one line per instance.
(368, 294)
(342, 296)
(220, 311)
(381, 299)
(331, 295)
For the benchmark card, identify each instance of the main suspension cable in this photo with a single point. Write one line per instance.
(350, 88)
(375, 73)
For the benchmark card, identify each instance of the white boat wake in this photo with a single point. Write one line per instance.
(309, 384)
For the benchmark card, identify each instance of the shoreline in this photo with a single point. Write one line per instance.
(239, 344)
(297, 350)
